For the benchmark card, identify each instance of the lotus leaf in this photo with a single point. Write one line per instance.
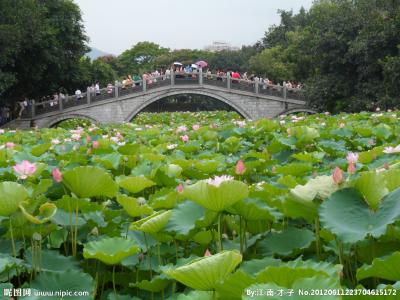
(382, 267)
(321, 187)
(216, 198)
(286, 242)
(87, 182)
(46, 212)
(372, 186)
(111, 251)
(205, 273)
(348, 216)
(11, 196)
(134, 184)
(133, 207)
(184, 216)
(69, 280)
(153, 223)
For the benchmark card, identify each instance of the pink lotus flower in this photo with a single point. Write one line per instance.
(10, 145)
(240, 167)
(182, 128)
(88, 139)
(352, 158)
(184, 138)
(57, 176)
(196, 127)
(55, 141)
(179, 188)
(76, 136)
(207, 253)
(96, 144)
(24, 169)
(337, 175)
(390, 150)
(217, 180)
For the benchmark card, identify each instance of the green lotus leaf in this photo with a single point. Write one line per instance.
(111, 251)
(133, 207)
(348, 216)
(392, 179)
(286, 242)
(53, 261)
(382, 267)
(46, 212)
(304, 134)
(153, 223)
(184, 216)
(134, 184)
(295, 169)
(372, 186)
(4, 287)
(165, 198)
(11, 196)
(321, 187)
(70, 280)
(129, 149)
(254, 209)
(157, 284)
(110, 161)
(216, 198)
(255, 266)
(298, 208)
(233, 286)
(205, 273)
(203, 237)
(196, 295)
(87, 182)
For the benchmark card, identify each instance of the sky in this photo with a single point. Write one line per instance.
(116, 25)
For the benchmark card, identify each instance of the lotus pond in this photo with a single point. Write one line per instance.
(203, 206)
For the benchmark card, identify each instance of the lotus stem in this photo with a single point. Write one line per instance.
(12, 239)
(149, 255)
(317, 238)
(113, 281)
(76, 228)
(240, 235)
(219, 245)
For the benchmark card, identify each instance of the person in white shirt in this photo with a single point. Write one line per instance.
(78, 94)
(97, 88)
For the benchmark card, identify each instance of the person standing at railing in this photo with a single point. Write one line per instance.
(78, 95)
(97, 88)
(109, 89)
(22, 104)
(136, 79)
(168, 73)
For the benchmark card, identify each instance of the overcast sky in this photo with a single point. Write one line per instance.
(114, 26)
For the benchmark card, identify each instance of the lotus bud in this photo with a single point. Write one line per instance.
(94, 231)
(179, 188)
(240, 168)
(337, 175)
(351, 169)
(95, 144)
(207, 253)
(57, 176)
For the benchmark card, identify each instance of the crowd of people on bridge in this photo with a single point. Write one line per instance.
(179, 71)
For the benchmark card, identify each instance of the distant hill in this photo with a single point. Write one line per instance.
(95, 53)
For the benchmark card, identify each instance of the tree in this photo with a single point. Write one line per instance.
(41, 42)
(140, 58)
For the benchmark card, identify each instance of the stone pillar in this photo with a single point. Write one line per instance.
(228, 81)
(172, 77)
(60, 103)
(284, 91)
(33, 108)
(144, 84)
(201, 76)
(88, 95)
(116, 89)
(256, 86)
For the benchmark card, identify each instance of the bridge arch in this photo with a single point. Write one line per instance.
(156, 98)
(52, 122)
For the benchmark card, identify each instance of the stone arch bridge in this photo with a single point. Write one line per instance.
(120, 103)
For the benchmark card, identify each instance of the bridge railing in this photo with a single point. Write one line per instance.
(174, 78)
